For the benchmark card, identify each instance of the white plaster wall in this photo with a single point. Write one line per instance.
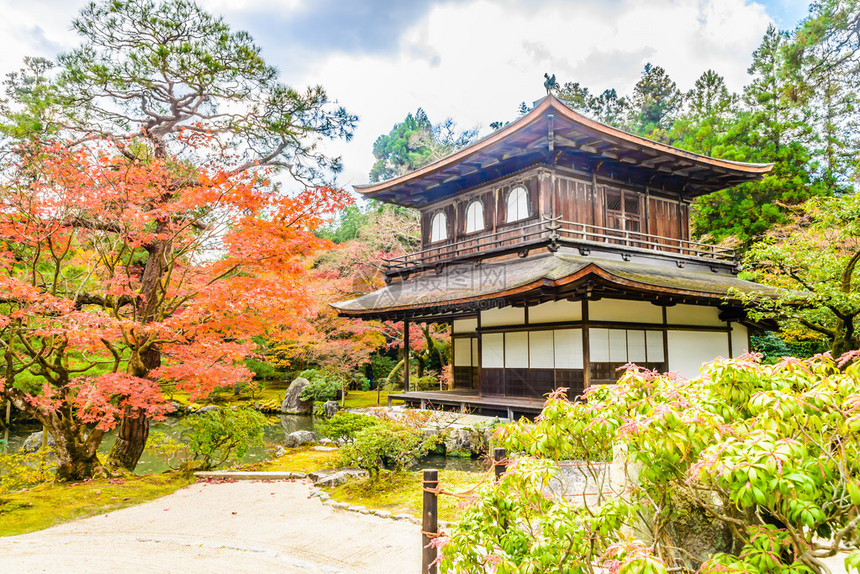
(694, 315)
(688, 350)
(503, 316)
(555, 311)
(465, 325)
(568, 348)
(493, 350)
(740, 342)
(626, 311)
(463, 352)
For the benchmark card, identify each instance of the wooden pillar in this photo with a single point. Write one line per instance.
(647, 226)
(430, 520)
(666, 338)
(406, 355)
(586, 347)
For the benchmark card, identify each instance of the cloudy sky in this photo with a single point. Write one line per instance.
(471, 60)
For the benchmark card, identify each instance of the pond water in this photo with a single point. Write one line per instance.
(273, 435)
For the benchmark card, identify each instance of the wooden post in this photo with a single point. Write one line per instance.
(499, 463)
(406, 355)
(6, 431)
(430, 521)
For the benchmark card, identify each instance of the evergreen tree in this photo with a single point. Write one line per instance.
(772, 128)
(607, 108)
(824, 60)
(415, 142)
(708, 113)
(656, 99)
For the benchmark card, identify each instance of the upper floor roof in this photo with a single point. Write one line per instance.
(553, 134)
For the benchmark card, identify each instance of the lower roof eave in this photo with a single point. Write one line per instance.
(566, 287)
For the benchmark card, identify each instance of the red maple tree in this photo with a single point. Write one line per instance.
(106, 255)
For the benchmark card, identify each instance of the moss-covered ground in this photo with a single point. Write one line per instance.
(272, 396)
(47, 505)
(303, 459)
(401, 492)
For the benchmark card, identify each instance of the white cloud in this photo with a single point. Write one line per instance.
(474, 61)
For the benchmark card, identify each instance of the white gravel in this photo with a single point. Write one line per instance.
(253, 527)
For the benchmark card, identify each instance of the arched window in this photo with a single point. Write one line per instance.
(518, 204)
(439, 227)
(474, 216)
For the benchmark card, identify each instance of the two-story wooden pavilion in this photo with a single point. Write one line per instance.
(559, 250)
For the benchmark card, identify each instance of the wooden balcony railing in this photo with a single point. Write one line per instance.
(554, 231)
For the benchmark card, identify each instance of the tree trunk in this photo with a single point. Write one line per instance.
(134, 427)
(130, 442)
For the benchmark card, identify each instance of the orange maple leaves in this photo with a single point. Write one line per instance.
(107, 253)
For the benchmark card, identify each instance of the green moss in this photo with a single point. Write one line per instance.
(304, 459)
(364, 399)
(401, 492)
(51, 504)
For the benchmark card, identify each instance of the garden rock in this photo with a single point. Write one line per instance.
(33, 443)
(298, 438)
(208, 409)
(330, 408)
(293, 404)
(458, 440)
(336, 478)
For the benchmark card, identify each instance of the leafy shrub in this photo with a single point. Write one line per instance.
(386, 445)
(346, 426)
(215, 436)
(774, 347)
(426, 383)
(769, 453)
(174, 452)
(324, 385)
(381, 366)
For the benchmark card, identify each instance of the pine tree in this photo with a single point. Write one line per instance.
(656, 99)
(772, 128)
(709, 111)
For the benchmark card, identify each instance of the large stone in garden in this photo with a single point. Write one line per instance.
(33, 443)
(458, 440)
(299, 438)
(330, 408)
(293, 404)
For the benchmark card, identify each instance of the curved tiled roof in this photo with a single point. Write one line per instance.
(551, 126)
(460, 286)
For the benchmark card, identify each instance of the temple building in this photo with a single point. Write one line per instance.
(558, 249)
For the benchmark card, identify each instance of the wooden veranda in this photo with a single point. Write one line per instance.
(469, 401)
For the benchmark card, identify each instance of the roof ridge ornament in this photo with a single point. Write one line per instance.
(550, 84)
